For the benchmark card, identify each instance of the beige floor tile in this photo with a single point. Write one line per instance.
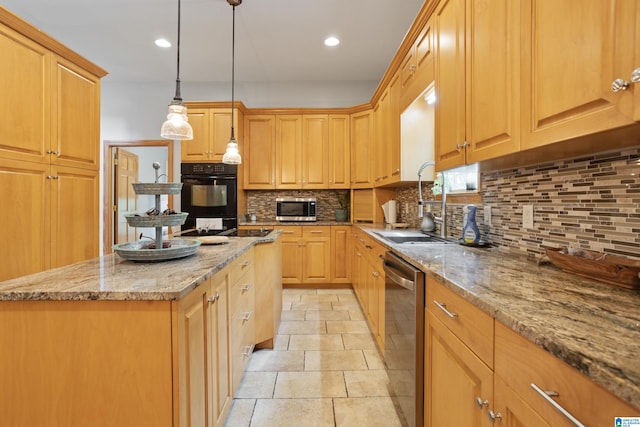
(256, 385)
(294, 327)
(346, 305)
(281, 342)
(345, 360)
(336, 291)
(276, 361)
(322, 305)
(298, 291)
(356, 314)
(286, 306)
(316, 342)
(347, 298)
(347, 327)
(371, 383)
(374, 360)
(293, 413)
(365, 411)
(312, 299)
(326, 315)
(358, 341)
(288, 299)
(293, 315)
(310, 384)
(240, 413)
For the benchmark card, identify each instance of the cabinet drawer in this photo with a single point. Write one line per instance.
(520, 363)
(471, 325)
(241, 265)
(312, 232)
(290, 230)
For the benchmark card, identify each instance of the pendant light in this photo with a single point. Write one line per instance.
(177, 125)
(232, 155)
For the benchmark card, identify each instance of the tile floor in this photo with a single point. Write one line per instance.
(324, 370)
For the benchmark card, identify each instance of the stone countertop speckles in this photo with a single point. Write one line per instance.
(113, 278)
(592, 326)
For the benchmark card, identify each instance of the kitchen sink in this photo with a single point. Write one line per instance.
(409, 236)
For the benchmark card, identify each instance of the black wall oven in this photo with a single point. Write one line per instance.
(210, 196)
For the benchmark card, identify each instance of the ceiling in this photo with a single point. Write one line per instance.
(276, 40)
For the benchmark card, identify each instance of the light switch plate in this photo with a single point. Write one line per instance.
(527, 216)
(487, 215)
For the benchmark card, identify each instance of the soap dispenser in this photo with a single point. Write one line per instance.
(470, 231)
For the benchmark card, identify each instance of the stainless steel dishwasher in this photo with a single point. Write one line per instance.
(404, 337)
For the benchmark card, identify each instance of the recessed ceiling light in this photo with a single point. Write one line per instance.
(163, 43)
(331, 41)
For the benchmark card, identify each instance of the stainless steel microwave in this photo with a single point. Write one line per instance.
(296, 209)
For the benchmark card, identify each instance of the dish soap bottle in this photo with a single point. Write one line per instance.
(470, 232)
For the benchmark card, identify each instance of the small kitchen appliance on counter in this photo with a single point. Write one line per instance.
(296, 209)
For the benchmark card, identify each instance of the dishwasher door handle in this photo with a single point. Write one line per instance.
(396, 278)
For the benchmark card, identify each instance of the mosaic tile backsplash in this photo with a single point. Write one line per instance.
(591, 202)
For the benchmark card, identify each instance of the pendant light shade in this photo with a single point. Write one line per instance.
(177, 125)
(232, 155)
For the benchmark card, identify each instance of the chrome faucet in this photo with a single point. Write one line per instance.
(442, 219)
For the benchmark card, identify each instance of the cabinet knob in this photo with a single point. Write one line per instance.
(213, 298)
(246, 287)
(635, 75)
(493, 416)
(481, 403)
(461, 146)
(619, 84)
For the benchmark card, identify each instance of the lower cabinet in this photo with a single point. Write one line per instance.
(479, 372)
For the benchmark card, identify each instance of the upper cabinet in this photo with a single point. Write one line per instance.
(571, 56)
(417, 69)
(362, 143)
(339, 151)
(259, 152)
(477, 80)
(211, 133)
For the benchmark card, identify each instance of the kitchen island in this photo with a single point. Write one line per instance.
(592, 327)
(109, 342)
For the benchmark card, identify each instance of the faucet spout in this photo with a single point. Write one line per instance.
(420, 201)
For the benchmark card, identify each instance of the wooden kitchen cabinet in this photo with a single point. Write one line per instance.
(339, 151)
(340, 254)
(570, 64)
(477, 80)
(268, 273)
(49, 157)
(211, 133)
(416, 70)
(362, 153)
(316, 255)
(291, 254)
(259, 152)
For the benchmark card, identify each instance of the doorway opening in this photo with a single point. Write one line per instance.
(124, 163)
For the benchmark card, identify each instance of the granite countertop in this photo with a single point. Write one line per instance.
(113, 278)
(592, 326)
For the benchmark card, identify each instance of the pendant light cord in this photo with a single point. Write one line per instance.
(233, 69)
(178, 96)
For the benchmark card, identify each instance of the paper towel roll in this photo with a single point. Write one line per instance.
(393, 211)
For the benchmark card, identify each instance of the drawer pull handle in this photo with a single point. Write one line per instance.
(368, 246)
(481, 403)
(247, 316)
(246, 287)
(443, 307)
(213, 298)
(247, 263)
(316, 231)
(546, 395)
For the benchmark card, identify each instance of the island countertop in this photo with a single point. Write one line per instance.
(111, 277)
(590, 325)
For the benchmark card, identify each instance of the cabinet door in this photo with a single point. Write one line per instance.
(221, 132)
(192, 358)
(288, 151)
(197, 149)
(25, 85)
(339, 151)
(340, 250)
(75, 130)
(74, 215)
(454, 378)
(450, 84)
(381, 119)
(362, 149)
(25, 194)
(260, 151)
(219, 370)
(315, 151)
(316, 264)
(493, 78)
(291, 254)
(393, 146)
(513, 411)
(570, 64)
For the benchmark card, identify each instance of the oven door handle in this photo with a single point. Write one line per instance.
(396, 278)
